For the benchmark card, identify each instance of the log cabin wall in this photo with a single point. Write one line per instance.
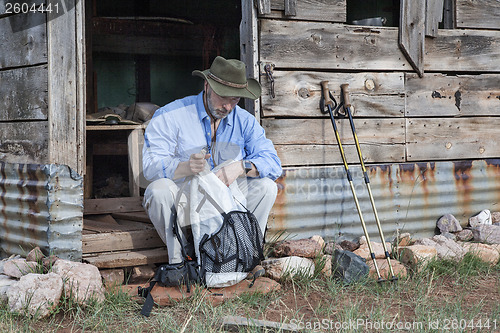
(450, 113)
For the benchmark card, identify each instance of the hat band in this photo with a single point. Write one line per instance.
(227, 83)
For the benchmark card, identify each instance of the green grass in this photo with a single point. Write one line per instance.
(442, 293)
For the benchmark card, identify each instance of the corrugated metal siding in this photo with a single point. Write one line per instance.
(409, 197)
(41, 205)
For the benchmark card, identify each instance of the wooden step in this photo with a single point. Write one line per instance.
(127, 258)
(112, 205)
(121, 240)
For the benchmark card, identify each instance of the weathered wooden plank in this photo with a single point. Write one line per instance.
(412, 33)
(315, 45)
(326, 46)
(112, 205)
(437, 95)
(311, 10)
(133, 216)
(463, 50)
(128, 258)
(298, 94)
(320, 131)
(452, 138)
(308, 155)
(482, 14)
(264, 6)
(24, 94)
(433, 15)
(101, 227)
(66, 117)
(119, 241)
(24, 142)
(249, 49)
(23, 39)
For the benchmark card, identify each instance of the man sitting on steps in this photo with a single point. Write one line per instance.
(179, 132)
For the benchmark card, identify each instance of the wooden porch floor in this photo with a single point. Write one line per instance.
(117, 233)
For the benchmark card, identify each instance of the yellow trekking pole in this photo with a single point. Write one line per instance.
(331, 104)
(347, 106)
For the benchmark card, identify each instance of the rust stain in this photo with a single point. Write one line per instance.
(493, 170)
(463, 180)
(385, 175)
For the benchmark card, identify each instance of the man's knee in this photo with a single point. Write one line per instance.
(161, 191)
(267, 187)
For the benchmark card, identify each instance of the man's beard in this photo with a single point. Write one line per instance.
(213, 111)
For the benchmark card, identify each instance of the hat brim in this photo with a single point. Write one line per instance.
(251, 91)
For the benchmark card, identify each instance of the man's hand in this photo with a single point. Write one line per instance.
(197, 162)
(193, 166)
(229, 173)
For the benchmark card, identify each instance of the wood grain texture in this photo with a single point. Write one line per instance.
(412, 33)
(438, 95)
(24, 94)
(433, 15)
(298, 93)
(310, 10)
(24, 142)
(321, 46)
(484, 14)
(127, 258)
(320, 131)
(452, 138)
(311, 155)
(23, 40)
(119, 241)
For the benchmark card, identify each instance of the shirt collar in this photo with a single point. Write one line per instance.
(202, 113)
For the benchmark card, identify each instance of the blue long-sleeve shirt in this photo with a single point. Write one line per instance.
(182, 128)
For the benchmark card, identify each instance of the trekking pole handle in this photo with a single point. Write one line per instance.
(345, 94)
(326, 94)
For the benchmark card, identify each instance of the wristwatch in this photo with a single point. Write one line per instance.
(247, 165)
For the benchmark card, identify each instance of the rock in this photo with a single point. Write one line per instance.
(276, 268)
(448, 223)
(404, 239)
(364, 252)
(485, 252)
(330, 248)
(383, 267)
(464, 235)
(449, 235)
(48, 262)
(113, 277)
(306, 248)
(495, 217)
(327, 268)
(141, 274)
(19, 267)
(489, 234)
(446, 248)
(348, 267)
(496, 247)
(35, 255)
(5, 283)
(483, 217)
(3, 261)
(81, 281)
(35, 294)
(319, 240)
(349, 246)
(417, 255)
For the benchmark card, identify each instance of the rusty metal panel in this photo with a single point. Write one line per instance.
(409, 197)
(41, 205)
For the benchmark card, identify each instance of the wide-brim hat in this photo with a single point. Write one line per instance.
(227, 78)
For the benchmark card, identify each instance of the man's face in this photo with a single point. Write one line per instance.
(219, 106)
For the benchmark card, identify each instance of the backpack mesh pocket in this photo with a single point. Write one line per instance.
(236, 247)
